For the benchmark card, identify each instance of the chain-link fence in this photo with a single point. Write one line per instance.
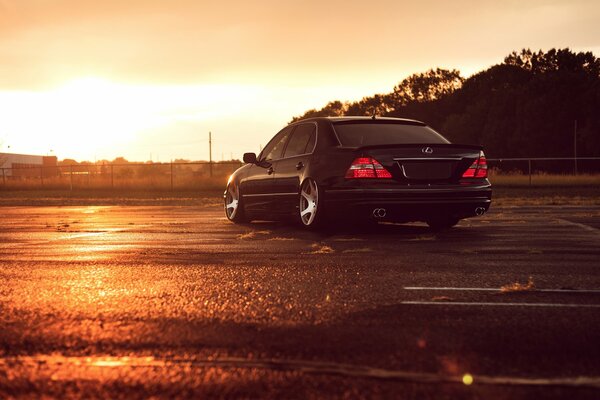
(205, 175)
(154, 176)
(535, 169)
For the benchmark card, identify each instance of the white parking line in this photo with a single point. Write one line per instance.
(477, 289)
(582, 226)
(490, 304)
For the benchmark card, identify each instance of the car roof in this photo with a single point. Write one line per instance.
(362, 118)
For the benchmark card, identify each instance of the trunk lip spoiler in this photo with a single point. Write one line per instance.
(409, 145)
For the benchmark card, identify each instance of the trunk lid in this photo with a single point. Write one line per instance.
(423, 163)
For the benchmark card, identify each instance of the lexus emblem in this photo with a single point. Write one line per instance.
(427, 150)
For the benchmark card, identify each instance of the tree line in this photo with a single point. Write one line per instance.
(533, 104)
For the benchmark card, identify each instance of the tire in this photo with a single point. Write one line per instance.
(439, 224)
(310, 205)
(234, 208)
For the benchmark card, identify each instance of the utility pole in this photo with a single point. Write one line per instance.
(575, 145)
(210, 153)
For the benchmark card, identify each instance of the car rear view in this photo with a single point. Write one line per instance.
(402, 170)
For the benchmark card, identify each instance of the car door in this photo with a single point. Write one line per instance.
(289, 170)
(257, 186)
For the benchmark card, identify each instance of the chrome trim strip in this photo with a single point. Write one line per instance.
(411, 190)
(428, 158)
(403, 170)
(269, 194)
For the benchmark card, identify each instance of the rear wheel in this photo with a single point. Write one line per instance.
(234, 209)
(310, 204)
(441, 223)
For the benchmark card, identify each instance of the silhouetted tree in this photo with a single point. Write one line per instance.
(425, 87)
(120, 160)
(525, 106)
(332, 109)
(68, 161)
(375, 105)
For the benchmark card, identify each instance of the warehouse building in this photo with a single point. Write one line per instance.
(25, 165)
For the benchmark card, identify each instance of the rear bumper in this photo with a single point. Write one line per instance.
(409, 204)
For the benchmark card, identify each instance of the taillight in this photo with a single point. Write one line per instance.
(367, 167)
(478, 169)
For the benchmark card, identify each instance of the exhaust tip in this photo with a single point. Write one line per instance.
(479, 211)
(379, 212)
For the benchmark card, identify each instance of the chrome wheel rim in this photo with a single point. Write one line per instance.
(309, 201)
(232, 201)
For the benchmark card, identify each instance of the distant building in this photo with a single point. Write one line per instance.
(25, 165)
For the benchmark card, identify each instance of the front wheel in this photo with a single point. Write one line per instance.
(234, 209)
(310, 204)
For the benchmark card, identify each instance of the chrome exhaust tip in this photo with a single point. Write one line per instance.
(479, 211)
(379, 212)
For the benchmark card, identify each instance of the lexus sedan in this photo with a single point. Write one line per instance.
(361, 169)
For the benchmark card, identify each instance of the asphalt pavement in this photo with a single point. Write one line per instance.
(176, 301)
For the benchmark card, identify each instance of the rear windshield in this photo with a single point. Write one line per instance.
(370, 134)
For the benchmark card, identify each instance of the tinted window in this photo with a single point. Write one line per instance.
(302, 141)
(275, 147)
(369, 134)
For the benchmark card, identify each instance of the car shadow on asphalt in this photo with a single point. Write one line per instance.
(405, 231)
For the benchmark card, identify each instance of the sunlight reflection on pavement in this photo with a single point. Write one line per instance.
(173, 298)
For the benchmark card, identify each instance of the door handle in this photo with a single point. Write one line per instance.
(300, 165)
(270, 170)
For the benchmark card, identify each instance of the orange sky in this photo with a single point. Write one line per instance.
(101, 79)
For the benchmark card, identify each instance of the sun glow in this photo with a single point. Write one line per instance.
(90, 117)
(82, 117)
(93, 118)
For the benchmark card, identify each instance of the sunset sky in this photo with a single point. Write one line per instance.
(150, 78)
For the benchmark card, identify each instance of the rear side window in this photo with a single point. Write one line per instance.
(372, 134)
(302, 140)
(275, 147)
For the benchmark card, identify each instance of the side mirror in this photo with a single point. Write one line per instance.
(250, 158)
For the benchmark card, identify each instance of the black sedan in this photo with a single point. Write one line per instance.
(363, 169)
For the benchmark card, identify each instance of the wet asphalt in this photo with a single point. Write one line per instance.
(169, 301)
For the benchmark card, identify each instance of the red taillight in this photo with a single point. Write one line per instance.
(482, 170)
(367, 167)
(478, 169)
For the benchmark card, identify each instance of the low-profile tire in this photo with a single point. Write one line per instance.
(234, 208)
(439, 224)
(311, 213)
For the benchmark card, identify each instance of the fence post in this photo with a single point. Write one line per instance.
(171, 176)
(210, 152)
(529, 165)
(71, 177)
(575, 146)
(112, 177)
